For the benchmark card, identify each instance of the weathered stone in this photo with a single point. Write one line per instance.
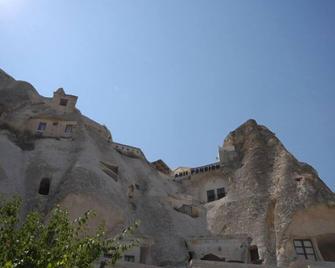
(257, 191)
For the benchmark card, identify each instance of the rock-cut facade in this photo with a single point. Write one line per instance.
(256, 206)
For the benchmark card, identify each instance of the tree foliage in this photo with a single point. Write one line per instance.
(57, 242)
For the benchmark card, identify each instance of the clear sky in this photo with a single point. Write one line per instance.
(174, 77)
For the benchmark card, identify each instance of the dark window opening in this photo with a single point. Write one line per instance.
(55, 123)
(44, 186)
(68, 128)
(254, 256)
(326, 245)
(304, 247)
(63, 102)
(217, 166)
(212, 257)
(298, 179)
(221, 193)
(206, 168)
(42, 126)
(210, 195)
(129, 258)
(197, 171)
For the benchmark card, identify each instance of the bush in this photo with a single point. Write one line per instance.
(58, 242)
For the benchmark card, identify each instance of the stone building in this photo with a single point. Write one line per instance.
(161, 166)
(63, 102)
(128, 150)
(52, 126)
(233, 249)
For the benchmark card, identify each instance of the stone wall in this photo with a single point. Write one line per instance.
(55, 128)
(198, 185)
(227, 248)
(101, 130)
(128, 150)
(63, 102)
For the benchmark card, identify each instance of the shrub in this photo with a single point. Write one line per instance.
(57, 242)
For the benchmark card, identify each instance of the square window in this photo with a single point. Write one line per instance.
(42, 126)
(129, 258)
(68, 128)
(221, 193)
(304, 247)
(63, 102)
(210, 195)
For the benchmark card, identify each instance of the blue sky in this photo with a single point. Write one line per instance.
(175, 77)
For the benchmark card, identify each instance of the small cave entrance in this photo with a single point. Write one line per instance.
(326, 245)
(44, 186)
(212, 257)
(254, 255)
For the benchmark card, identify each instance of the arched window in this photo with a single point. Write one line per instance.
(44, 186)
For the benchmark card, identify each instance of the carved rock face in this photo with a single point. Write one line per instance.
(269, 195)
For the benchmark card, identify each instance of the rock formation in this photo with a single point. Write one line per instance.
(263, 201)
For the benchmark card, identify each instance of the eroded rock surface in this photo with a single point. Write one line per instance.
(268, 195)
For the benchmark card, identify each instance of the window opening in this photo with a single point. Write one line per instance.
(42, 126)
(304, 247)
(44, 186)
(221, 192)
(68, 128)
(63, 102)
(210, 195)
(129, 258)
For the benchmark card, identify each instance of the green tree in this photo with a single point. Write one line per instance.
(56, 242)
